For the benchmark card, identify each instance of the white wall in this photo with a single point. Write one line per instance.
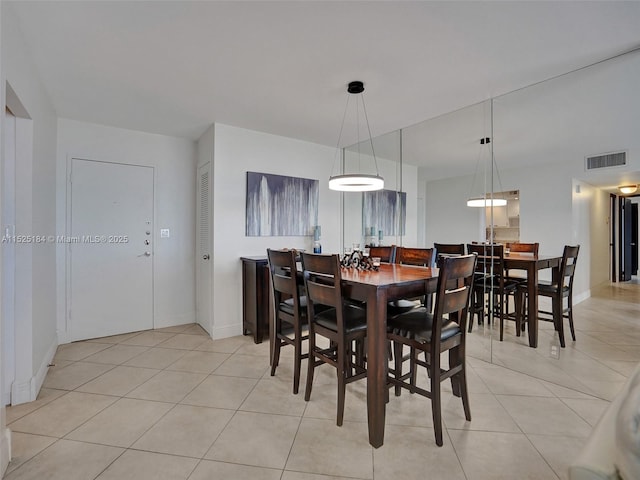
(591, 220)
(174, 162)
(35, 215)
(236, 152)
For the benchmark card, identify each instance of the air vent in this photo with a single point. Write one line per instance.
(607, 160)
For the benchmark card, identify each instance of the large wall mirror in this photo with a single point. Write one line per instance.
(540, 138)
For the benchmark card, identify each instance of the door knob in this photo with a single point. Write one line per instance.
(145, 254)
(205, 256)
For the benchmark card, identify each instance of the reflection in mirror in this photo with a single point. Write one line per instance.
(543, 135)
(387, 217)
(452, 166)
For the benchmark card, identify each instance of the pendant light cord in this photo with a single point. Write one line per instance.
(344, 116)
(366, 118)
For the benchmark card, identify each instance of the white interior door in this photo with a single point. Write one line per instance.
(203, 275)
(111, 249)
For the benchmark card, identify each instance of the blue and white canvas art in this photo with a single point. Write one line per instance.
(385, 210)
(280, 206)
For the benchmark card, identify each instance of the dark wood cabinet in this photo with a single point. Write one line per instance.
(256, 305)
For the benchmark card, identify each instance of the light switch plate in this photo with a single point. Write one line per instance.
(164, 233)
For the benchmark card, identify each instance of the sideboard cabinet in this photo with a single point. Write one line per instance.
(256, 304)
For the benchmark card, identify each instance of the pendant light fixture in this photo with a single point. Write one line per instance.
(357, 181)
(487, 199)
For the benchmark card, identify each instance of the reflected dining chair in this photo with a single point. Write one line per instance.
(448, 249)
(557, 290)
(342, 323)
(290, 315)
(489, 280)
(434, 334)
(385, 253)
(530, 249)
(523, 248)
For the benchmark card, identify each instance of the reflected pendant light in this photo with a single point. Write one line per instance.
(357, 182)
(628, 189)
(487, 200)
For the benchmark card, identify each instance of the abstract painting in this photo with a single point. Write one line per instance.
(384, 210)
(280, 206)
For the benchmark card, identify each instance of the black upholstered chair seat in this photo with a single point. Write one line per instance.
(287, 306)
(493, 281)
(355, 319)
(548, 288)
(417, 325)
(397, 307)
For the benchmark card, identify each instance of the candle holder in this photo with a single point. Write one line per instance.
(358, 260)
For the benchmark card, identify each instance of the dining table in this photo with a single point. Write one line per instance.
(377, 288)
(532, 264)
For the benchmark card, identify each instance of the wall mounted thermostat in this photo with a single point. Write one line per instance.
(164, 233)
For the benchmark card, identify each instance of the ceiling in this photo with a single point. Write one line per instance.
(176, 67)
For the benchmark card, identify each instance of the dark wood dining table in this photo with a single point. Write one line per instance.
(532, 265)
(376, 288)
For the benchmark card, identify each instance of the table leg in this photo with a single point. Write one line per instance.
(377, 364)
(532, 309)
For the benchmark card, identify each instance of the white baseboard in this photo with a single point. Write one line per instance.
(226, 331)
(173, 320)
(44, 366)
(21, 392)
(27, 391)
(64, 337)
(582, 297)
(5, 450)
(207, 328)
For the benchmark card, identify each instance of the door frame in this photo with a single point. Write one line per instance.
(64, 326)
(621, 234)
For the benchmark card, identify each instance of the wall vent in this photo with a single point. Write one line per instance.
(606, 160)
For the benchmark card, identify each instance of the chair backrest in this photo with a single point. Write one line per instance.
(322, 281)
(282, 265)
(490, 257)
(455, 281)
(448, 249)
(568, 265)
(386, 253)
(524, 248)
(415, 256)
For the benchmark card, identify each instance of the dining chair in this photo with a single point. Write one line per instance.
(290, 315)
(557, 290)
(489, 280)
(420, 257)
(524, 249)
(448, 249)
(343, 324)
(385, 253)
(434, 334)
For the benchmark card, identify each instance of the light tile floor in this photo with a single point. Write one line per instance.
(173, 404)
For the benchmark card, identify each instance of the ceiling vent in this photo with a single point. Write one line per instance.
(606, 160)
